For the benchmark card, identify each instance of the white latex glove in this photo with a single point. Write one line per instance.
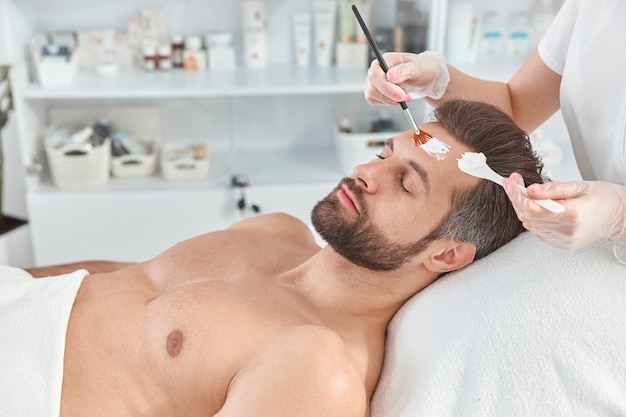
(410, 76)
(593, 210)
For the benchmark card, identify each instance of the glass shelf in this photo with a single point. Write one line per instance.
(275, 80)
(266, 167)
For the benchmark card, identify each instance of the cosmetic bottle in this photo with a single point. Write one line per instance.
(178, 49)
(492, 42)
(412, 27)
(347, 27)
(324, 13)
(194, 57)
(302, 37)
(365, 9)
(150, 58)
(518, 43)
(164, 54)
(220, 50)
(254, 33)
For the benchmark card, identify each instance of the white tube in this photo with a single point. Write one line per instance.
(347, 23)
(302, 37)
(255, 48)
(324, 12)
(254, 13)
(365, 10)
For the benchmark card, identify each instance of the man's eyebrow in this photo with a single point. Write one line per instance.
(423, 174)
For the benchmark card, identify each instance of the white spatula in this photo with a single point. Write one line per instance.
(475, 164)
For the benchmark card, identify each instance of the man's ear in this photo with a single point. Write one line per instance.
(450, 256)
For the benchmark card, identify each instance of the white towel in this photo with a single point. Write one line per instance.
(530, 330)
(34, 314)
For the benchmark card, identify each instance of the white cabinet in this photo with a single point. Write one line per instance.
(275, 124)
(134, 225)
(279, 135)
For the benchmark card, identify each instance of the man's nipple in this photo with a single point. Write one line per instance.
(174, 343)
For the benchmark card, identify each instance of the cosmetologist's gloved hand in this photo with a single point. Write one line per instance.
(593, 210)
(410, 76)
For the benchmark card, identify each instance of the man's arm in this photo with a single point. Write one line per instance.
(92, 266)
(306, 372)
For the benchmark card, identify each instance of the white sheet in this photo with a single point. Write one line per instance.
(528, 331)
(33, 322)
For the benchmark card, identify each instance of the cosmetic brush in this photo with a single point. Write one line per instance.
(419, 137)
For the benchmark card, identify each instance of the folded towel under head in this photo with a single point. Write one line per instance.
(530, 330)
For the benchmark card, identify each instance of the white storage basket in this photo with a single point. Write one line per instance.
(134, 165)
(74, 166)
(179, 162)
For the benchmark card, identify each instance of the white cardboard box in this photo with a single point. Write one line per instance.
(352, 55)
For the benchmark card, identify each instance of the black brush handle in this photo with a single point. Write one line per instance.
(374, 46)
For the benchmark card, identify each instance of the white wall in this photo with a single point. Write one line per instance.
(15, 246)
(14, 190)
(4, 35)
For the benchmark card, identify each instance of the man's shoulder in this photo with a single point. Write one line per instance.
(277, 225)
(318, 342)
(324, 362)
(314, 349)
(307, 369)
(269, 219)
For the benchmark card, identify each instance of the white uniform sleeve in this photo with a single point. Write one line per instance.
(554, 45)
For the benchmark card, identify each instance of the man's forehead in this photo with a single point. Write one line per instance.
(439, 133)
(438, 170)
(457, 148)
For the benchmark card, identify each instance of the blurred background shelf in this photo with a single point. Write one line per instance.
(275, 80)
(275, 125)
(264, 167)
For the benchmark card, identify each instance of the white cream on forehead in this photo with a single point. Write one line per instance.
(472, 160)
(436, 148)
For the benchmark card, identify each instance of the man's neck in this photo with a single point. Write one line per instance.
(351, 293)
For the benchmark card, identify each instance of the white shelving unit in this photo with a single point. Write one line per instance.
(275, 125)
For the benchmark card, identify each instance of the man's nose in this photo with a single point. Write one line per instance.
(368, 176)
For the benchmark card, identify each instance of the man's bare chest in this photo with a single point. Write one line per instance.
(186, 343)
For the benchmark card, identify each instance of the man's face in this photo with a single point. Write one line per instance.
(378, 216)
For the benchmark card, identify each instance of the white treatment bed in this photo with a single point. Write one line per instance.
(530, 330)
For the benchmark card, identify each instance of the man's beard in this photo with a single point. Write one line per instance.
(358, 240)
